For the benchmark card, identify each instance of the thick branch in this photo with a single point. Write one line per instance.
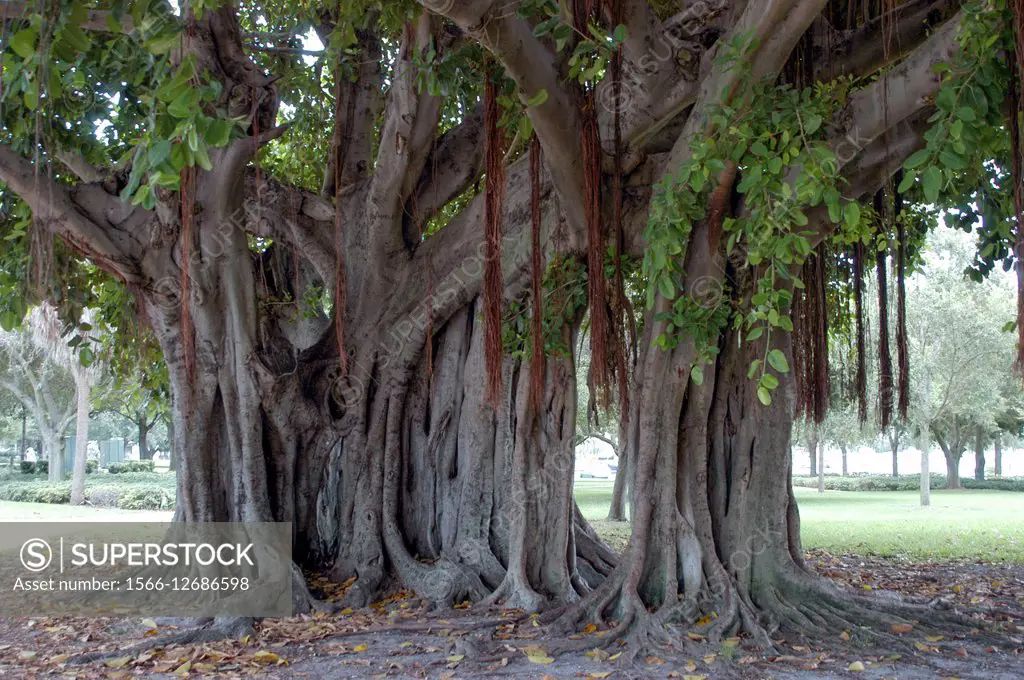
(85, 216)
(409, 127)
(534, 68)
(886, 39)
(454, 164)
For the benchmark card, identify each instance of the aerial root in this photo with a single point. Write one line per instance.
(235, 627)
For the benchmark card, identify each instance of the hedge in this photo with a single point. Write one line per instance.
(42, 467)
(905, 483)
(128, 491)
(130, 466)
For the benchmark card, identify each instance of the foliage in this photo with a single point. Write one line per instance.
(134, 491)
(771, 130)
(130, 466)
(904, 483)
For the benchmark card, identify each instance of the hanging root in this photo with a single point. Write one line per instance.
(235, 627)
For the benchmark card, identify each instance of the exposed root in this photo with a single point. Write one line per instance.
(218, 629)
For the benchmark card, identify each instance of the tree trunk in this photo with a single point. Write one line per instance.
(617, 511)
(172, 454)
(926, 478)
(812, 450)
(843, 450)
(895, 457)
(821, 467)
(952, 469)
(82, 387)
(53, 446)
(998, 455)
(144, 425)
(979, 455)
(24, 432)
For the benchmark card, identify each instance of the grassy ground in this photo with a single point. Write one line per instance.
(984, 525)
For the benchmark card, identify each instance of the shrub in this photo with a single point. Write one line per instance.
(130, 466)
(91, 466)
(28, 467)
(146, 498)
(904, 483)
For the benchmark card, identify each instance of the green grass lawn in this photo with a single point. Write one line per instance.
(11, 511)
(986, 525)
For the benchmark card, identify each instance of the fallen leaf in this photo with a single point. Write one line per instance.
(856, 667)
(119, 662)
(539, 657)
(696, 637)
(597, 654)
(933, 638)
(263, 656)
(901, 628)
(183, 669)
(654, 660)
(149, 623)
(26, 656)
(710, 659)
(695, 677)
(922, 647)
(455, 658)
(844, 636)
(589, 628)
(361, 647)
(602, 674)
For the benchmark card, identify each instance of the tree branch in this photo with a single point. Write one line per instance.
(456, 161)
(410, 124)
(81, 215)
(534, 68)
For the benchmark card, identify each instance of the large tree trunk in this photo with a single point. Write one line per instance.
(979, 455)
(144, 424)
(53, 447)
(998, 455)
(82, 386)
(843, 449)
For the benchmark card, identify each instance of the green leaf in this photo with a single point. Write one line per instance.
(916, 159)
(202, 158)
(86, 357)
(697, 375)
(967, 114)
(777, 360)
(812, 124)
(951, 160)
(619, 35)
(8, 320)
(219, 132)
(538, 99)
(24, 42)
(932, 182)
(769, 381)
(668, 291)
(159, 152)
(908, 181)
(764, 396)
(851, 213)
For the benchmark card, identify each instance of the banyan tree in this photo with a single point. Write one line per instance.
(369, 236)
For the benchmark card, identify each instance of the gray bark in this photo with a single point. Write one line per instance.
(998, 445)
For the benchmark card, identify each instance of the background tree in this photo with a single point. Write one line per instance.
(962, 354)
(44, 387)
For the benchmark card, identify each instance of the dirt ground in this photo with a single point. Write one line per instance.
(396, 638)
